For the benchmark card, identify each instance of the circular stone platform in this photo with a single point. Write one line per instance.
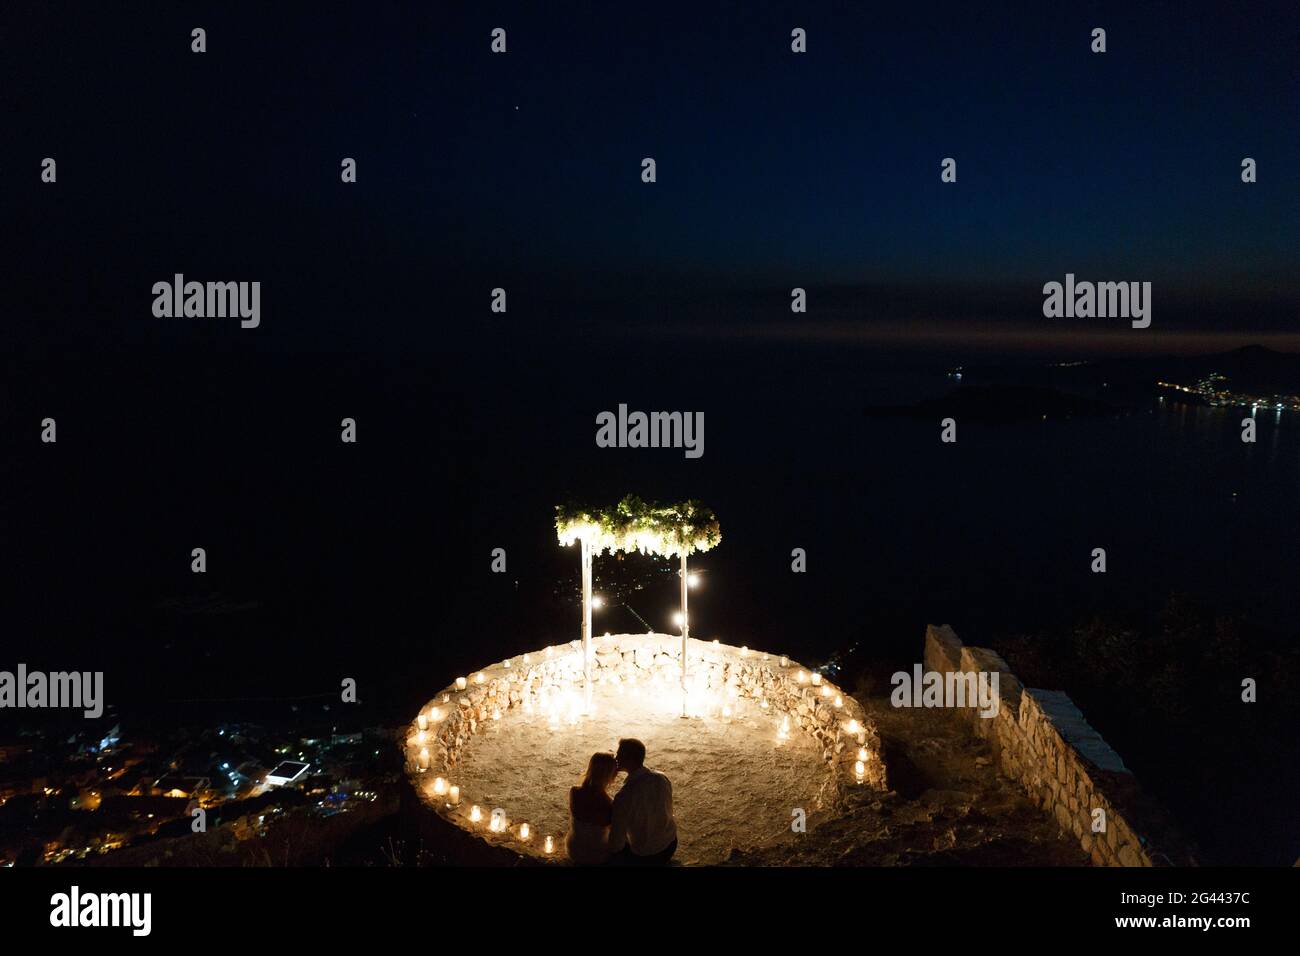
(763, 740)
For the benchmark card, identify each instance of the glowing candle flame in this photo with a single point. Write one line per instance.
(524, 832)
(454, 794)
(421, 721)
(475, 814)
(839, 701)
(424, 758)
(440, 786)
(862, 753)
(816, 679)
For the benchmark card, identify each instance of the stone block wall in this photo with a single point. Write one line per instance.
(1041, 740)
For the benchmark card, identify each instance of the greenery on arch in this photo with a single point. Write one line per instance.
(668, 531)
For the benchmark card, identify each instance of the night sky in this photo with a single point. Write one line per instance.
(774, 169)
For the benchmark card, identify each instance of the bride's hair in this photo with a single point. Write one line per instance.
(602, 768)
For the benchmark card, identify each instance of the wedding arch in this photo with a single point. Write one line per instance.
(667, 531)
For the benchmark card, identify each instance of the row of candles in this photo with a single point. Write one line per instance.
(496, 823)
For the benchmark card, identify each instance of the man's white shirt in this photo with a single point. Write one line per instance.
(643, 814)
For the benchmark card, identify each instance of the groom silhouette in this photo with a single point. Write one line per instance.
(643, 831)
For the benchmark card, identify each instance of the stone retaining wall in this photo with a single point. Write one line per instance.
(715, 671)
(1041, 741)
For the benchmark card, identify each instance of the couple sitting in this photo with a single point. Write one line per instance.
(636, 826)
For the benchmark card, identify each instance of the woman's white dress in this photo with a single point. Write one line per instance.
(587, 843)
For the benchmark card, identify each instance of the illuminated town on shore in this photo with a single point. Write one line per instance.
(1212, 391)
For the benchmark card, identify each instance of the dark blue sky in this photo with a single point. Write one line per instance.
(774, 169)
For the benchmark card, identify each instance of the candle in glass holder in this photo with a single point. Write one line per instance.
(528, 658)
(506, 662)
(496, 713)
(862, 753)
(853, 727)
(424, 758)
(550, 845)
(826, 689)
(453, 794)
(446, 698)
(421, 721)
(475, 814)
(859, 770)
(785, 661)
(524, 833)
(801, 676)
(839, 701)
(816, 679)
(479, 678)
(784, 732)
(744, 651)
(435, 715)
(461, 683)
(439, 786)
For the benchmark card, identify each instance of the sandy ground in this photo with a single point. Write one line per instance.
(734, 783)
